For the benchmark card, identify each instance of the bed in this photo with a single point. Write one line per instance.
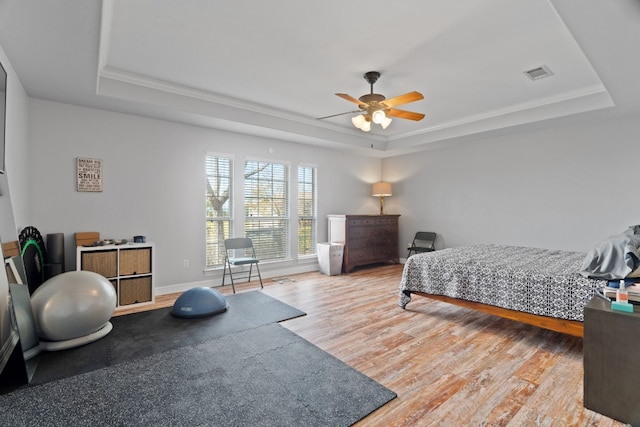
(541, 287)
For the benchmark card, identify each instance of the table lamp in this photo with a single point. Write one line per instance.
(381, 189)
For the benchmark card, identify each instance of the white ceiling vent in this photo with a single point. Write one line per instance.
(539, 73)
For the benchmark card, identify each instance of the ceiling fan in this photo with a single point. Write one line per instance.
(378, 109)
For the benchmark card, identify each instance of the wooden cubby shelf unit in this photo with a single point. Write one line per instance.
(128, 267)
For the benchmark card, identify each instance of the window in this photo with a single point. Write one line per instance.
(307, 219)
(266, 207)
(218, 207)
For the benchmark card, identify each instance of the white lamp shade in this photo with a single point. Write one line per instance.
(358, 121)
(361, 122)
(386, 122)
(378, 116)
(381, 189)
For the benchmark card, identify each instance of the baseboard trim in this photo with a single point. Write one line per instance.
(215, 278)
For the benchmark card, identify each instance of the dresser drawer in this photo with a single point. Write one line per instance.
(362, 242)
(386, 252)
(386, 221)
(360, 222)
(390, 231)
(357, 232)
(361, 232)
(387, 241)
(359, 256)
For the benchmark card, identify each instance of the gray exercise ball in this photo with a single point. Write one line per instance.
(72, 305)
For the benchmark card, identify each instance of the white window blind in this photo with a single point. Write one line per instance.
(307, 213)
(266, 206)
(219, 198)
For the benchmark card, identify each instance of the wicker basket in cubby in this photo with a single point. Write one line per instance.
(135, 290)
(102, 262)
(135, 261)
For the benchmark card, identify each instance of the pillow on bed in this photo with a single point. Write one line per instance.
(614, 258)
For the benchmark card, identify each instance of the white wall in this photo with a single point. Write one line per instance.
(154, 182)
(562, 187)
(15, 154)
(16, 141)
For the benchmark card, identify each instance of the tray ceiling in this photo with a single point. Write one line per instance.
(272, 68)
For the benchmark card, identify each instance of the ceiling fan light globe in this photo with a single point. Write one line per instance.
(386, 122)
(358, 121)
(366, 126)
(378, 116)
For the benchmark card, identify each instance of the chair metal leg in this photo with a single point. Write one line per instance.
(259, 276)
(224, 273)
(233, 285)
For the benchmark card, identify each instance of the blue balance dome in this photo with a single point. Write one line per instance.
(199, 302)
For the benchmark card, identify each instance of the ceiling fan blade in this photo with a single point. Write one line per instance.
(339, 114)
(402, 114)
(352, 99)
(403, 99)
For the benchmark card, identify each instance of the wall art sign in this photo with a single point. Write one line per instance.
(89, 174)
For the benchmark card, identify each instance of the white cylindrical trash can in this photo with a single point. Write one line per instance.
(330, 258)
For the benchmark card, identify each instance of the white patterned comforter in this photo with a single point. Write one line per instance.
(537, 281)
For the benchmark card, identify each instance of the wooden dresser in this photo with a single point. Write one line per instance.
(367, 239)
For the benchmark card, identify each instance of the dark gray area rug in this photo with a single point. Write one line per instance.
(261, 375)
(146, 333)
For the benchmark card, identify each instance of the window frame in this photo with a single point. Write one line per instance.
(312, 252)
(227, 230)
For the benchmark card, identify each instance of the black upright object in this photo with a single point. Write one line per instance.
(32, 260)
(13, 370)
(34, 256)
(611, 347)
(55, 255)
(14, 373)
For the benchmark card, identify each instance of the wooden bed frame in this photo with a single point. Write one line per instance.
(570, 327)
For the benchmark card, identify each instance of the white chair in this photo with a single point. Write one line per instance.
(247, 257)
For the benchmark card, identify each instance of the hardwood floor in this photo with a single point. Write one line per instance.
(449, 365)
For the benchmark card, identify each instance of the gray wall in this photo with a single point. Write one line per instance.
(560, 186)
(154, 183)
(16, 175)
(16, 142)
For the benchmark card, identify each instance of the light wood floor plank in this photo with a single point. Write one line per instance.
(449, 365)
